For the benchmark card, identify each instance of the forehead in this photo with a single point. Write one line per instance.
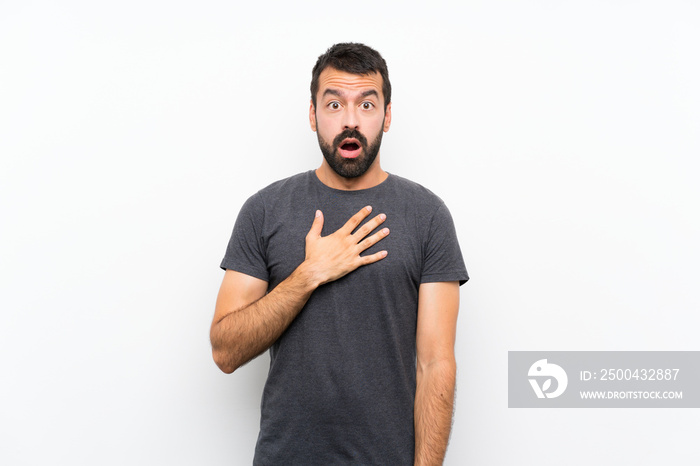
(332, 78)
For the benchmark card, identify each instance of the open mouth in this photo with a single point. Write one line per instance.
(349, 148)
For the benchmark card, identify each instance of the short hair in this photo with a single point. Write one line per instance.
(352, 58)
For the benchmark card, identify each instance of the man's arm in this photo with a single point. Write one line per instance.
(438, 305)
(247, 321)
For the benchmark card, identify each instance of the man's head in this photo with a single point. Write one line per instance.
(350, 106)
(354, 59)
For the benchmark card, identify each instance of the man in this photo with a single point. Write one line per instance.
(359, 311)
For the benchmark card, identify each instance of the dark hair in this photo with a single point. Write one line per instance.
(352, 58)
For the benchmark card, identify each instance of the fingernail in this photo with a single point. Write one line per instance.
(385, 231)
(318, 213)
(382, 217)
(369, 208)
(384, 253)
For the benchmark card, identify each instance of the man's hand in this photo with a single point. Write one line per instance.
(330, 257)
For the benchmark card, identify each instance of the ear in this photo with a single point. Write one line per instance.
(387, 118)
(312, 116)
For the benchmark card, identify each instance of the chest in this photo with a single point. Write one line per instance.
(285, 231)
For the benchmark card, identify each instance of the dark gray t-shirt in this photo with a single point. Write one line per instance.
(342, 377)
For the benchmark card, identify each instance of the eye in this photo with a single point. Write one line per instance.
(334, 105)
(367, 105)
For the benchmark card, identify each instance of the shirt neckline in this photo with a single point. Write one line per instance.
(347, 192)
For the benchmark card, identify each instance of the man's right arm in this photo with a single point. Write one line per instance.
(247, 321)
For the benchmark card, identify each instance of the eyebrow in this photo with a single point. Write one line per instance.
(338, 93)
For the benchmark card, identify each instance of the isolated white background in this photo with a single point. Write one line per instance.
(562, 135)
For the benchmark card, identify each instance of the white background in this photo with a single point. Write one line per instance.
(562, 135)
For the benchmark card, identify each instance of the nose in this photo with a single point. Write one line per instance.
(350, 119)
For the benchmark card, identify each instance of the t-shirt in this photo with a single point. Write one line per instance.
(342, 378)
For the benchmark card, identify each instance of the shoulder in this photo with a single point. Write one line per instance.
(416, 194)
(286, 184)
(269, 195)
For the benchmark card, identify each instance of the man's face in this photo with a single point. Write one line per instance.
(349, 120)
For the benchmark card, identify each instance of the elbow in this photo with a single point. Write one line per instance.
(224, 357)
(224, 362)
(446, 366)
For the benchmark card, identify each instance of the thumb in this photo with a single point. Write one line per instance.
(317, 226)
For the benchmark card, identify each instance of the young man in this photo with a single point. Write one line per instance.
(350, 276)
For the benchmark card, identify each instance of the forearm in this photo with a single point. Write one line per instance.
(435, 388)
(242, 334)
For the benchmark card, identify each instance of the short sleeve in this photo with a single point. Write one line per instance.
(442, 259)
(246, 250)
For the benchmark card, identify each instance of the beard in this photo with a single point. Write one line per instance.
(350, 168)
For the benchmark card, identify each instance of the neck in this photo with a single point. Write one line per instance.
(371, 178)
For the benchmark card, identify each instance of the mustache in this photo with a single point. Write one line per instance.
(350, 134)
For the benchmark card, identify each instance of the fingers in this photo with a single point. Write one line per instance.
(365, 260)
(316, 226)
(356, 219)
(369, 226)
(374, 239)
